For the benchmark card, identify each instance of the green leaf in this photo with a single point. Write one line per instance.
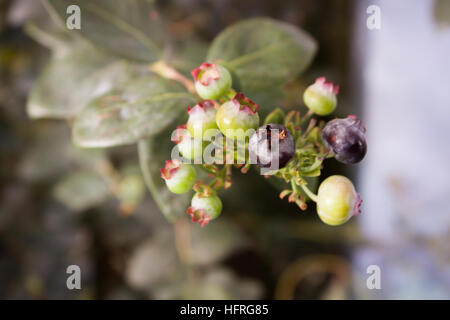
(314, 173)
(189, 56)
(152, 155)
(130, 29)
(82, 190)
(141, 108)
(276, 116)
(309, 163)
(262, 52)
(71, 81)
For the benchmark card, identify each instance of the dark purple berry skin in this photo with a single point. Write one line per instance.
(261, 148)
(345, 137)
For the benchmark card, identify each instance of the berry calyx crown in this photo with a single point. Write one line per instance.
(329, 87)
(181, 133)
(244, 103)
(206, 73)
(170, 168)
(201, 106)
(198, 216)
(356, 122)
(357, 205)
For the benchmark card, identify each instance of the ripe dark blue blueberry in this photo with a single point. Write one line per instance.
(345, 137)
(262, 149)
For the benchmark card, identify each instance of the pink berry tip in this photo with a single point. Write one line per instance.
(171, 166)
(328, 86)
(201, 106)
(180, 133)
(244, 103)
(357, 205)
(357, 122)
(198, 216)
(206, 73)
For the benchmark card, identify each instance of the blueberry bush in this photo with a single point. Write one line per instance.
(123, 80)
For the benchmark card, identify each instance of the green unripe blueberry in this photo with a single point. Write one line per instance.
(202, 120)
(204, 208)
(337, 200)
(320, 97)
(211, 81)
(191, 148)
(179, 177)
(188, 147)
(238, 118)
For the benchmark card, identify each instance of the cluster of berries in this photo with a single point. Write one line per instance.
(280, 145)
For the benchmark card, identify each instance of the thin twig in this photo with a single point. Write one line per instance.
(309, 193)
(166, 71)
(183, 244)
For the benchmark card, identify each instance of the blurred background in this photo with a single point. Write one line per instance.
(64, 206)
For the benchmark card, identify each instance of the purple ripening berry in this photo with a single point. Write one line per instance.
(345, 137)
(262, 149)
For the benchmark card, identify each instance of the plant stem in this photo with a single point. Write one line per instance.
(166, 71)
(107, 170)
(294, 186)
(309, 193)
(306, 117)
(311, 126)
(47, 40)
(183, 243)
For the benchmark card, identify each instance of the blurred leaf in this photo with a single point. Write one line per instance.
(214, 242)
(216, 283)
(141, 108)
(237, 288)
(82, 190)
(48, 155)
(131, 29)
(189, 56)
(49, 35)
(88, 158)
(131, 188)
(153, 153)
(152, 262)
(263, 52)
(51, 153)
(71, 81)
(267, 99)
